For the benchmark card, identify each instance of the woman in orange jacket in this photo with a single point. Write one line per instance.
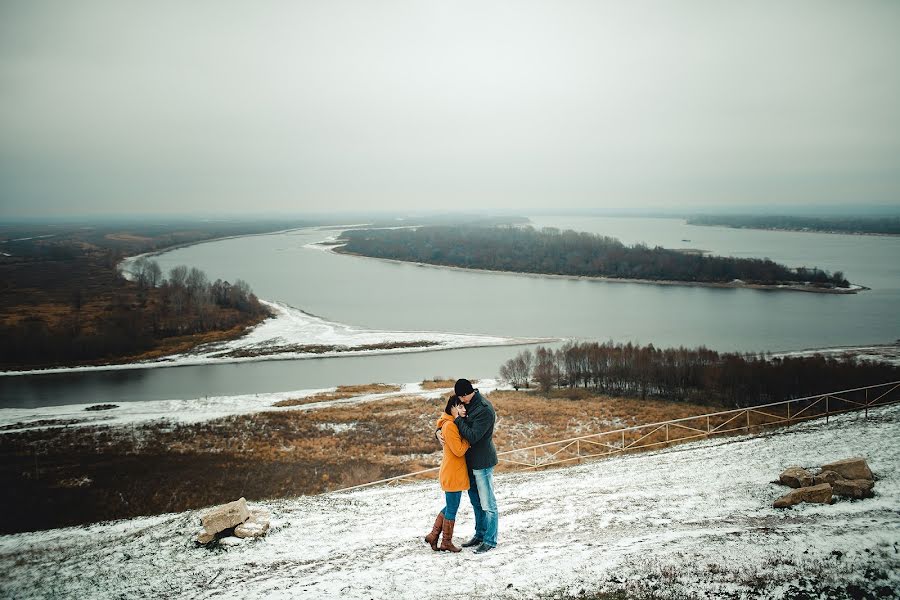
(454, 475)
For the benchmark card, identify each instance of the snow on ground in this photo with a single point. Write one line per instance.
(886, 353)
(283, 336)
(14, 420)
(691, 521)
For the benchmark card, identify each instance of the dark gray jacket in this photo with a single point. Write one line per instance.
(478, 428)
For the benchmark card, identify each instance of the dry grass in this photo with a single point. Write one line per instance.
(438, 384)
(158, 467)
(342, 392)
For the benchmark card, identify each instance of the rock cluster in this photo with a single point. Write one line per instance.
(850, 478)
(234, 518)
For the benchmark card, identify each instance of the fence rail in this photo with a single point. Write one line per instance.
(664, 433)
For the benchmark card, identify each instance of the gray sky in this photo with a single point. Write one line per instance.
(333, 105)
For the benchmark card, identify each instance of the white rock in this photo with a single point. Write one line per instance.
(220, 518)
(205, 538)
(231, 541)
(256, 526)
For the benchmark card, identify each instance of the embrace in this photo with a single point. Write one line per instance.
(466, 430)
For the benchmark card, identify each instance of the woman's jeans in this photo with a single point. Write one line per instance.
(452, 506)
(485, 505)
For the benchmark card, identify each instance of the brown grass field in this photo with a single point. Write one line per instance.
(437, 383)
(342, 392)
(74, 475)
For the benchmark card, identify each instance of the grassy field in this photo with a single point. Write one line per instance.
(74, 475)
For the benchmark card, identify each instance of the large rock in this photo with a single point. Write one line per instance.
(256, 526)
(205, 538)
(224, 517)
(796, 477)
(850, 468)
(853, 488)
(826, 477)
(818, 494)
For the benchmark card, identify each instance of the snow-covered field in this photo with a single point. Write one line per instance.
(691, 521)
(195, 410)
(283, 336)
(886, 353)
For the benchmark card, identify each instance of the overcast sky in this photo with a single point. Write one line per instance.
(333, 105)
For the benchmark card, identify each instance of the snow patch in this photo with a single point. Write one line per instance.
(193, 410)
(292, 334)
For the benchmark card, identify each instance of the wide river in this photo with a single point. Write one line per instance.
(392, 296)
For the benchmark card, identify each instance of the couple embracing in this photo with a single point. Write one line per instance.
(466, 430)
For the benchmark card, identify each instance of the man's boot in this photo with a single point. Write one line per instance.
(432, 538)
(447, 537)
(473, 542)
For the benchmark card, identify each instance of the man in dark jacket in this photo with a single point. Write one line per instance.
(478, 428)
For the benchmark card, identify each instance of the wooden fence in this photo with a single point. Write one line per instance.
(656, 435)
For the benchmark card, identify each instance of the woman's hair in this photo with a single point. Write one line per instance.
(451, 402)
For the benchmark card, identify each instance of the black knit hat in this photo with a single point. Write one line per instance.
(463, 387)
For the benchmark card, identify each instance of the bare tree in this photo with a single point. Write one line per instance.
(178, 276)
(544, 368)
(517, 371)
(153, 274)
(139, 271)
(197, 287)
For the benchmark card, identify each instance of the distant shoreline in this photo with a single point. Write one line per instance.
(336, 248)
(795, 230)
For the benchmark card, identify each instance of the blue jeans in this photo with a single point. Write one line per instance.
(452, 499)
(484, 504)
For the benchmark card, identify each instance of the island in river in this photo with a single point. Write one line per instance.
(551, 252)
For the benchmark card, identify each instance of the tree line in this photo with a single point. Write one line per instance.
(551, 251)
(697, 375)
(131, 319)
(880, 225)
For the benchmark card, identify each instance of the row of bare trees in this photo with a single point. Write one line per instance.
(696, 375)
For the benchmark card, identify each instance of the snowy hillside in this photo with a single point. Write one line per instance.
(694, 520)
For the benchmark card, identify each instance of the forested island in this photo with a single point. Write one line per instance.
(851, 225)
(64, 301)
(570, 253)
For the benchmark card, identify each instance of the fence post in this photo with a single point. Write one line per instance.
(748, 420)
(789, 411)
(867, 403)
(826, 409)
(667, 433)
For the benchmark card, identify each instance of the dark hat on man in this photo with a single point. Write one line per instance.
(463, 387)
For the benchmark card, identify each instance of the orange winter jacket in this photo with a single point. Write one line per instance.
(454, 476)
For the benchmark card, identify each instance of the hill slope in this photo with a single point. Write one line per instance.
(684, 522)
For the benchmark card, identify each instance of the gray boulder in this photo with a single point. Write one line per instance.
(220, 518)
(820, 494)
(853, 488)
(796, 477)
(850, 468)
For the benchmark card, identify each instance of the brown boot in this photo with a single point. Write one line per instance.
(432, 538)
(447, 539)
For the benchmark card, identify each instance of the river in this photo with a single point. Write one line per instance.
(390, 296)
